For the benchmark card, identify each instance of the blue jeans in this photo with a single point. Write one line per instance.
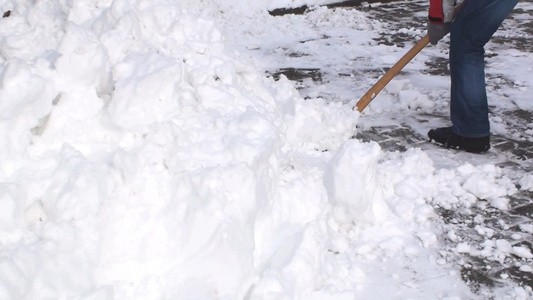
(473, 27)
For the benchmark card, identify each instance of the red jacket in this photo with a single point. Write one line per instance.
(441, 11)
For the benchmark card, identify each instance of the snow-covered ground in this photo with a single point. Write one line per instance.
(147, 153)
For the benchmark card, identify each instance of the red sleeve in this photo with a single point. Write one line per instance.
(436, 11)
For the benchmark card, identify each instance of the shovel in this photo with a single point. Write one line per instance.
(385, 79)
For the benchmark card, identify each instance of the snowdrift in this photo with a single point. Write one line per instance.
(143, 159)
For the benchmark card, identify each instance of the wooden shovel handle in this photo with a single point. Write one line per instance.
(385, 79)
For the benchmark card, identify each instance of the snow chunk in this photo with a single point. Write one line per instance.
(526, 183)
(353, 185)
(486, 182)
(504, 246)
(526, 268)
(526, 227)
(415, 100)
(500, 203)
(463, 247)
(320, 126)
(522, 252)
(134, 103)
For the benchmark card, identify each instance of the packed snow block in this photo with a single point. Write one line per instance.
(353, 184)
(77, 187)
(25, 98)
(134, 102)
(9, 211)
(23, 91)
(195, 229)
(83, 60)
(526, 183)
(321, 126)
(31, 29)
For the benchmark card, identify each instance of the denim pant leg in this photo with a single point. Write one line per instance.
(472, 29)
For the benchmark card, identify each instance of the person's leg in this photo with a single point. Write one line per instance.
(473, 27)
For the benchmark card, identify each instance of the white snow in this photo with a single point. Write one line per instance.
(526, 182)
(145, 155)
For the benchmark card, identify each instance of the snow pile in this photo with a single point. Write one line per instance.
(142, 159)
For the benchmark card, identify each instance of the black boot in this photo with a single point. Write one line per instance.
(445, 137)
